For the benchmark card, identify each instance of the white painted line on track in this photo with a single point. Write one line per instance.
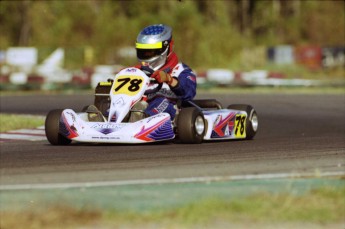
(22, 137)
(37, 134)
(169, 181)
(28, 131)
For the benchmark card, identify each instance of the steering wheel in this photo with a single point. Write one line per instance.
(149, 71)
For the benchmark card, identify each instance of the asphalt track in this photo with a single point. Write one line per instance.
(297, 134)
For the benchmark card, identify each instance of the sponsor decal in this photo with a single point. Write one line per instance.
(107, 128)
(131, 70)
(106, 131)
(162, 106)
(192, 78)
(72, 115)
(119, 102)
(107, 138)
(223, 127)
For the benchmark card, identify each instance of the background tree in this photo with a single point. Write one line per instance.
(206, 33)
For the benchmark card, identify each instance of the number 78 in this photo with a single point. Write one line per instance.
(240, 124)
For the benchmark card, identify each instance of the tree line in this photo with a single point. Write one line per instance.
(206, 32)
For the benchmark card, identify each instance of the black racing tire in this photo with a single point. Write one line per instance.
(208, 103)
(204, 103)
(191, 125)
(252, 119)
(85, 108)
(52, 125)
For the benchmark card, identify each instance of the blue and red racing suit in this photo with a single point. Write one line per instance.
(165, 99)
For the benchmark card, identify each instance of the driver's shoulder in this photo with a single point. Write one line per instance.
(179, 68)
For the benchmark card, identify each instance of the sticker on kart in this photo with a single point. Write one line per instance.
(128, 84)
(240, 125)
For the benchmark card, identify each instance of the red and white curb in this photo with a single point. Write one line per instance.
(37, 134)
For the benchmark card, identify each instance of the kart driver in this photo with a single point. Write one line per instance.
(154, 46)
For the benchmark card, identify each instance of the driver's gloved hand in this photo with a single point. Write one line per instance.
(163, 77)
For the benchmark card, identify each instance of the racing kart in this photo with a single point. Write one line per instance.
(195, 121)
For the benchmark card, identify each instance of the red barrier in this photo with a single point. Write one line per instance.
(309, 56)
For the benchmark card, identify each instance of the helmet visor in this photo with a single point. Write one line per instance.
(146, 54)
(148, 51)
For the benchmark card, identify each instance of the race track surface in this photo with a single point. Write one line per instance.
(297, 133)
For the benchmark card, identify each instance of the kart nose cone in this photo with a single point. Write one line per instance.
(199, 125)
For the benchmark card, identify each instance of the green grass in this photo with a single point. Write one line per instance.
(14, 122)
(322, 206)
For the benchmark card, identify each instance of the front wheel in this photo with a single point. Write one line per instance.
(191, 125)
(52, 125)
(252, 122)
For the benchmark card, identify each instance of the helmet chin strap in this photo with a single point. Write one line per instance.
(150, 66)
(158, 61)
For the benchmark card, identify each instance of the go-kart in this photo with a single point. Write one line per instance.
(115, 101)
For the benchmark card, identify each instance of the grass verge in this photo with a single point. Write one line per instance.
(13, 122)
(322, 206)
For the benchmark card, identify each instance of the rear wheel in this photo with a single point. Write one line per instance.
(208, 103)
(52, 125)
(252, 122)
(191, 125)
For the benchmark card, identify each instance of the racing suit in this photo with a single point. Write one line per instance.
(165, 99)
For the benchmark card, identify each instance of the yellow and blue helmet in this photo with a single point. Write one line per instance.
(153, 45)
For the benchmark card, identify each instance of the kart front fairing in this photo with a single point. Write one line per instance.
(151, 129)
